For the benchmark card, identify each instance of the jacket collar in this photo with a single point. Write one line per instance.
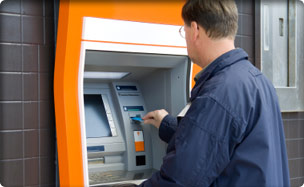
(218, 64)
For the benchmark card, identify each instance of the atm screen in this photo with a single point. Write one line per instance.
(97, 124)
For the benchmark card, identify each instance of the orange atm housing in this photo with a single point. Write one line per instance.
(70, 40)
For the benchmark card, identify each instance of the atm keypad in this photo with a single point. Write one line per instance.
(118, 176)
(107, 177)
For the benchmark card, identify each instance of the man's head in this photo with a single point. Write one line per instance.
(210, 29)
(219, 18)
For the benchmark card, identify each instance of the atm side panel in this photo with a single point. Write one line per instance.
(138, 140)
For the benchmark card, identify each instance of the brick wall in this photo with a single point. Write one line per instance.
(245, 37)
(294, 135)
(27, 135)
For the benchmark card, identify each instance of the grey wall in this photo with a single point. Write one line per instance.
(27, 136)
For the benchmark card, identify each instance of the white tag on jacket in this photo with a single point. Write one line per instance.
(184, 111)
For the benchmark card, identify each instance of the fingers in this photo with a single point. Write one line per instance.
(149, 118)
(149, 121)
(149, 115)
(155, 117)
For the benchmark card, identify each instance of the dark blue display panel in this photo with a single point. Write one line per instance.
(97, 124)
(133, 108)
(126, 88)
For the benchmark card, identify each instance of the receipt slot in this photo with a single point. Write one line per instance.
(109, 73)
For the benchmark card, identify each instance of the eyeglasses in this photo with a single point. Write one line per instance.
(182, 32)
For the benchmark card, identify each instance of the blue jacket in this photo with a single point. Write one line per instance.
(232, 135)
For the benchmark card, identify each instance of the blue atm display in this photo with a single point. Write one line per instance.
(97, 124)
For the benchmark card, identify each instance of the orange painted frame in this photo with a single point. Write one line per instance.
(67, 67)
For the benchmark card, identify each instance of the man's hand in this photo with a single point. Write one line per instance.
(155, 117)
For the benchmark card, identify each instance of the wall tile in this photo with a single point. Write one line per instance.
(293, 168)
(46, 86)
(10, 58)
(32, 171)
(30, 58)
(248, 45)
(286, 129)
(248, 25)
(47, 142)
(286, 115)
(11, 116)
(293, 128)
(239, 5)
(11, 87)
(240, 28)
(10, 28)
(301, 129)
(31, 115)
(11, 146)
(248, 7)
(11, 173)
(300, 181)
(294, 183)
(257, 62)
(47, 171)
(292, 148)
(32, 7)
(301, 167)
(293, 115)
(47, 115)
(301, 149)
(251, 60)
(32, 30)
(301, 115)
(49, 32)
(31, 144)
(47, 59)
(49, 8)
(47, 185)
(30, 87)
(11, 6)
(238, 41)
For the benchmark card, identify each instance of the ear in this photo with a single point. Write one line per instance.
(194, 30)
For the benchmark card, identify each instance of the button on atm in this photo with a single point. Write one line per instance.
(139, 141)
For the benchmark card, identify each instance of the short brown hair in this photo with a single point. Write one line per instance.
(219, 18)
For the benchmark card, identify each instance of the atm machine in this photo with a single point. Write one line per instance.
(110, 71)
(118, 89)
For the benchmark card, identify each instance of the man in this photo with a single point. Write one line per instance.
(232, 134)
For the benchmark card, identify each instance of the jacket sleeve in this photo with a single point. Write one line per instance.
(201, 147)
(167, 128)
